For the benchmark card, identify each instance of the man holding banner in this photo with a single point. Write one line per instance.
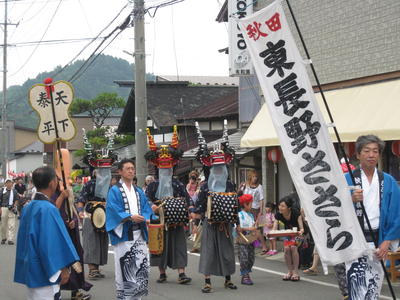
(380, 194)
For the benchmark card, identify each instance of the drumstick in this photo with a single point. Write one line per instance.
(77, 267)
(243, 236)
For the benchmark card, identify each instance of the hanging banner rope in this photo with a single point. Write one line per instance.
(303, 136)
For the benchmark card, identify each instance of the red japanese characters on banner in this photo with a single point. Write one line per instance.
(274, 155)
(396, 148)
(254, 31)
(350, 149)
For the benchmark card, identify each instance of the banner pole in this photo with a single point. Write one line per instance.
(375, 240)
(50, 91)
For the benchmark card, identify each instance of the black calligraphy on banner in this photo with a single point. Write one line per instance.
(64, 124)
(48, 127)
(298, 133)
(312, 162)
(302, 130)
(275, 58)
(42, 101)
(289, 94)
(60, 98)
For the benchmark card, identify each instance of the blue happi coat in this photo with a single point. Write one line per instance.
(116, 214)
(389, 220)
(43, 245)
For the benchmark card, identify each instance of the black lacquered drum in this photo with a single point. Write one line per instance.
(222, 207)
(175, 211)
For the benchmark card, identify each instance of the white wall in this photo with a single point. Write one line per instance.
(27, 163)
(285, 181)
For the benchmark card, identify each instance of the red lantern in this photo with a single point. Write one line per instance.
(396, 148)
(350, 149)
(274, 155)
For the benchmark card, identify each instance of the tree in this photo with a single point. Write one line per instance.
(99, 137)
(98, 108)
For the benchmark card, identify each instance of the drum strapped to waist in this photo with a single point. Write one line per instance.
(156, 236)
(247, 238)
(222, 207)
(97, 211)
(175, 211)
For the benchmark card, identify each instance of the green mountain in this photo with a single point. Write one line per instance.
(98, 78)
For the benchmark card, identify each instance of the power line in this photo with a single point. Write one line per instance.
(156, 7)
(122, 27)
(93, 60)
(87, 45)
(60, 41)
(47, 28)
(35, 14)
(86, 18)
(173, 43)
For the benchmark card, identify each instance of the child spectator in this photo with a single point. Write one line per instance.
(247, 233)
(269, 219)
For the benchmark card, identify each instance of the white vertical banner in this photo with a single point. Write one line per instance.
(239, 56)
(303, 135)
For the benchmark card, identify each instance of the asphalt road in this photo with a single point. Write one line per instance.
(266, 275)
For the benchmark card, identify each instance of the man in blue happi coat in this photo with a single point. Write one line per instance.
(380, 194)
(44, 248)
(127, 211)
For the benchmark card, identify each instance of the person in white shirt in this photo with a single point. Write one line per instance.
(127, 211)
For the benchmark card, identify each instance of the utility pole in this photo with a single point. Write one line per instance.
(4, 107)
(140, 93)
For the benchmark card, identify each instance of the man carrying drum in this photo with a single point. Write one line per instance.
(217, 251)
(92, 200)
(170, 199)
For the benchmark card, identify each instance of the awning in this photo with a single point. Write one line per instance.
(361, 110)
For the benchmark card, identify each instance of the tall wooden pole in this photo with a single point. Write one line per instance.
(140, 93)
(4, 107)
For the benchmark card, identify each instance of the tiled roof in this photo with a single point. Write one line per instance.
(168, 100)
(223, 107)
(202, 80)
(31, 148)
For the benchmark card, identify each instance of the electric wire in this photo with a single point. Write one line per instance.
(87, 45)
(35, 14)
(156, 7)
(86, 18)
(94, 59)
(173, 42)
(56, 42)
(122, 27)
(93, 55)
(44, 33)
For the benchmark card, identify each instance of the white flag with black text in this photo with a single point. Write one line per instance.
(303, 135)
